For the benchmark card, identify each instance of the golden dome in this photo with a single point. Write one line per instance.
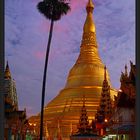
(85, 78)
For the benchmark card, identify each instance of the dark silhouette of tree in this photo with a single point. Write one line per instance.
(53, 10)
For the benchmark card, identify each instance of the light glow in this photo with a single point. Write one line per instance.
(106, 120)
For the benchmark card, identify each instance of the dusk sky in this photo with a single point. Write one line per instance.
(26, 34)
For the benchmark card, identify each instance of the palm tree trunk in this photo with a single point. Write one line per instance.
(44, 78)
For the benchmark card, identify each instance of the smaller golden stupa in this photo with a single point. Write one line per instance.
(85, 78)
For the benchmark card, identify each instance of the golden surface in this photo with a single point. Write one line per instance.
(85, 77)
(89, 25)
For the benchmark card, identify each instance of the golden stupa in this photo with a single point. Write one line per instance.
(85, 78)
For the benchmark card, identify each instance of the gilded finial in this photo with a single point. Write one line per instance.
(7, 74)
(89, 24)
(90, 6)
(105, 72)
(126, 70)
(105, 81)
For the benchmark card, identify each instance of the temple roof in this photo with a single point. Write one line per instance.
(131, 77)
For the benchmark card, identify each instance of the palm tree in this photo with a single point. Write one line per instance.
(52, 10)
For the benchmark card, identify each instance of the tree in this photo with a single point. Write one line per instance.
(52, 10)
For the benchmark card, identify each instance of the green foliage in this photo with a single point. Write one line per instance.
(53, 9)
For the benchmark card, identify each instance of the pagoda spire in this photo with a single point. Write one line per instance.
(89, 25)
(126, 74)
(83, 126)
(105, 107)
(105, 82)
(89, 32)
(7, 74)
(89, 47)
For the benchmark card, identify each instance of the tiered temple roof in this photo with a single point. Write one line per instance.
(127, 94)
(105, 107)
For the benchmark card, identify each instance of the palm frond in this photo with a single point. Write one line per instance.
(53, 9)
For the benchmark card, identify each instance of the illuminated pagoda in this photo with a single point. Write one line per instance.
(85, 131)
(104, 111)
(84, 127)
(85, 77)
(15, 119)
